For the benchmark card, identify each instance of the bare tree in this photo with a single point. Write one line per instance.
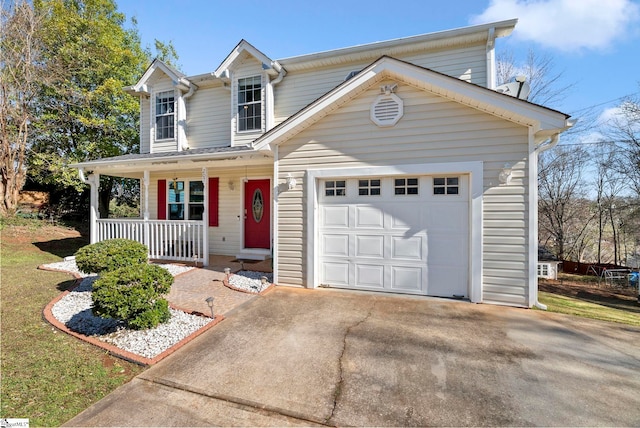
(21, 72)
(609, 185)
(561, 185)
(547, 86)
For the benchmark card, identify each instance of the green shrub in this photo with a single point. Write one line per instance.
(133, 294)
(110, 255)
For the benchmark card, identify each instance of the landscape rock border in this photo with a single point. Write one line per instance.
(227, 284)
(112, 349)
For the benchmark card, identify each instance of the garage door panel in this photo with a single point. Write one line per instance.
(406, 278)
(369, 246)
(336, 273)
(335, 216)
(369, 217)
(369, 276)
(405, 216)
(443, 217)
(336, 245)
(447, 281)
(447, 249)
(412, 248)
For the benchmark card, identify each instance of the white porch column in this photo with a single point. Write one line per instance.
(94, 214)
(205, 218)
(146, 240)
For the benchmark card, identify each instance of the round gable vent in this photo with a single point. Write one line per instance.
(387, 109)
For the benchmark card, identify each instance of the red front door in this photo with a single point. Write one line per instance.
(257, 214)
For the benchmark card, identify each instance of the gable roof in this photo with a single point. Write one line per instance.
(178, 78)
(244, 46)
(544, 121)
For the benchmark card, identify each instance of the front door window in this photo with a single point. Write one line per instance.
(257, 205)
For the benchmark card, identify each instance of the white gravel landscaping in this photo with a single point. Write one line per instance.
(251, 281)
(74, 310)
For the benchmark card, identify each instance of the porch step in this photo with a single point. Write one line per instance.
(254, 255)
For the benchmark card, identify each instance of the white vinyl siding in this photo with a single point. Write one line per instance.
(298, 89)
(145, 125)
(208, 118)
(433, 130)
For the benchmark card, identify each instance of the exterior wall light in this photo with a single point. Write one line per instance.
(291, 182)
(505, 174)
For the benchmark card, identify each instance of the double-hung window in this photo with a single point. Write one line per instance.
(186, 204)
(165, 115)
(250, 104)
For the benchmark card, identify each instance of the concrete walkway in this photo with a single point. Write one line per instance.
(304, 357)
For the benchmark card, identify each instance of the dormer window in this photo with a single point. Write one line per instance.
(165, 115)
(250, 104)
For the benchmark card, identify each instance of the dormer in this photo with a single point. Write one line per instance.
(250, 76)
(163, 91)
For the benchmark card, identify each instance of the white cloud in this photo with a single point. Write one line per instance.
(620, 117)
(567, 25)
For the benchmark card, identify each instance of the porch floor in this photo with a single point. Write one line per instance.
(190, 289)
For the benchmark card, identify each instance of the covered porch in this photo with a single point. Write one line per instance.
(191, 203)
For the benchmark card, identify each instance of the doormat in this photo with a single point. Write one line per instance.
(248, 261)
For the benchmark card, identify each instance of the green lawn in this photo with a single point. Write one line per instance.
(582, 308)
(47, 376)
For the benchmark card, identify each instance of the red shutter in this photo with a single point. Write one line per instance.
(213, 201)
(162, 199)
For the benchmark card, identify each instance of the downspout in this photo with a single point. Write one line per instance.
(491, 59)
(182, 119)
(270, 98)
(542, 147)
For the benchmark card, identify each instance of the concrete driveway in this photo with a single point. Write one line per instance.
(305, 357)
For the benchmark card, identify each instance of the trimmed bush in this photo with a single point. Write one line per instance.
(110, 255)
(133, 294)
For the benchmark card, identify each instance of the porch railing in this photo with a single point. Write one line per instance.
(165, 239)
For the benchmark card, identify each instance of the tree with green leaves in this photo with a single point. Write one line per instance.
(86, 115)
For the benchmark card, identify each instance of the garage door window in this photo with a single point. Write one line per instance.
(406, 186)
(445, 185)
(335, 188)
(369, 187)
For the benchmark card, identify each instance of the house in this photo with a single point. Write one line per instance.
(394, 166)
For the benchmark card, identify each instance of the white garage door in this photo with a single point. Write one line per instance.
(400, 234)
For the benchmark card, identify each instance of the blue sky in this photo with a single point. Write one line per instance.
(594, 43)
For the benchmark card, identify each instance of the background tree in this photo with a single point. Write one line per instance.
(87, 115)
(561, 184)
(22, 70)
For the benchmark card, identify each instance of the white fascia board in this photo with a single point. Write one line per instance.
(478, 97)
(200, 157)
(141, 85)
(237, 51)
